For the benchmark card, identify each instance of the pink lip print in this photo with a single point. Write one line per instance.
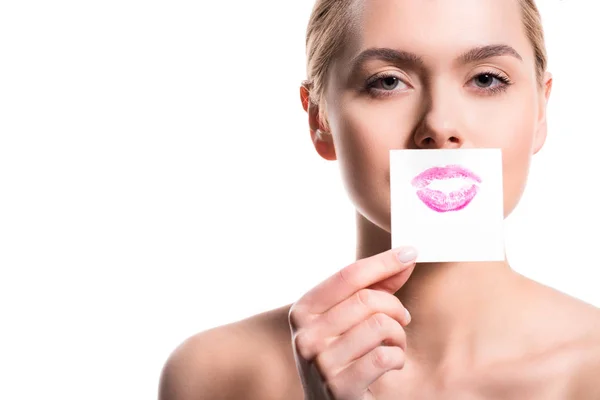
(440, 201)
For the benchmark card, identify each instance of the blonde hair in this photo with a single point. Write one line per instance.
(331, 22)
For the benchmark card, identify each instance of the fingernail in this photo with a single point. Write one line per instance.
(407, 254)
(408, 317)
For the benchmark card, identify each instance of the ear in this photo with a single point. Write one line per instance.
(542, 130)
(322, 139)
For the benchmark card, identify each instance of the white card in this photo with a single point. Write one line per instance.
(448, 204)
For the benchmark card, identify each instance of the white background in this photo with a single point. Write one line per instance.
(157, 179)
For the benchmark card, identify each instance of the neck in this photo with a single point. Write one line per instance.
(454, 306)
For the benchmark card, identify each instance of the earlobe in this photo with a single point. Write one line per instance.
(324, 145)
(540, 137)
(322, 140)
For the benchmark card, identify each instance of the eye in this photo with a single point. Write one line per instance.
(485, 80)
(491, 82)
(389, 83)
(385, 85)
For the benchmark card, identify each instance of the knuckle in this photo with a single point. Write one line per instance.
(364, 298)
(297, 317)
(379, 321)
(325, 367)
(348, 276)
(387, 357)
(393, 302)
(381, 357)
(305, 345)
(400, 358)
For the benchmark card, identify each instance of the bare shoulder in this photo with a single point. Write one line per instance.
(585, 382)
(575, 325)
(586, 352)
(249, 359)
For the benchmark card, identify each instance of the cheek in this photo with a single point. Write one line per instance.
(365, 133)
(363, 136)
(511, 127)
(361, 143)
(516, 159)
(367, 130)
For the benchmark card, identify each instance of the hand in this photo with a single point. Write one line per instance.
(349, 330)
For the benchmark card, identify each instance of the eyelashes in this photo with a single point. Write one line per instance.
(485, 83)
(383, 79)
(503, 82)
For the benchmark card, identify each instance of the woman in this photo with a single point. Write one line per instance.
(392, 74)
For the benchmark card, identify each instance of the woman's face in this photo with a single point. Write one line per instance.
(432, 74)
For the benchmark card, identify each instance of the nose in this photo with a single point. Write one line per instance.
(440, 126)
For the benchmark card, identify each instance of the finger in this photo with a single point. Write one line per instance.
(326, 328)
(360, 340)
(357, 308)
(353, 382)
(356, 276)
(395, 282)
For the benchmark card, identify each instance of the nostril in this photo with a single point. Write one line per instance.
(427, 141)
(453, 139)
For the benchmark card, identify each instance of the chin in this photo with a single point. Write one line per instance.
(377, 214)
(512, 199)
(509, 208)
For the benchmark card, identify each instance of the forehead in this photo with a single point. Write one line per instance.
(438, 28)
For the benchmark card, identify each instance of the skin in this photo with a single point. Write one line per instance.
(497, 335)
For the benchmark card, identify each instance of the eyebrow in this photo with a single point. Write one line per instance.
(483, 52)
(411, 59)
(388, 55)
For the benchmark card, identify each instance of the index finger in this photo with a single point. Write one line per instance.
(356, 276)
